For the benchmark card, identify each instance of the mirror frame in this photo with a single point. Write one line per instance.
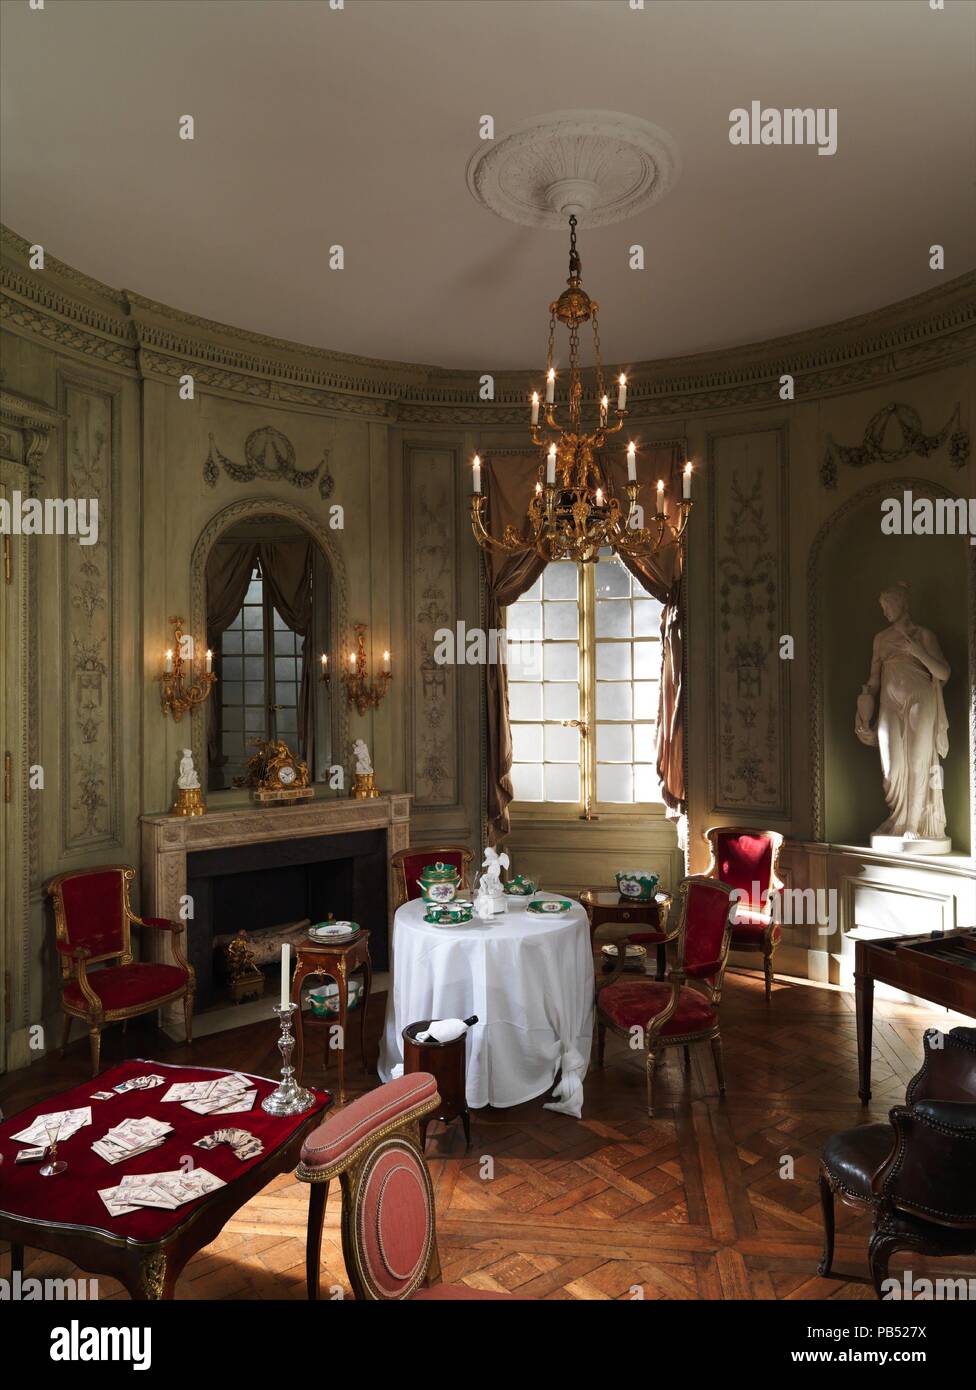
(229, 516)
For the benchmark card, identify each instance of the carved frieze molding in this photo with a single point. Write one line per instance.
(126, 331)
(244, 510)
(886, 487)
(270, 455)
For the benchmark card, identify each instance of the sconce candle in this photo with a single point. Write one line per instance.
(551, 467)
(168, 666)
(660, 496)
(622, 393)
(209, 661)
(686, 483)
(476, 473)
(632, 462)
(386, 661)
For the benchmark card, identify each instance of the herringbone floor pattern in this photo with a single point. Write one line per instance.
(708, 1198)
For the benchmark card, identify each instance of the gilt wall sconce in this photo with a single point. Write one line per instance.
(360, 691)
(179, 691)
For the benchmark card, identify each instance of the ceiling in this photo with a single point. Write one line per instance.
(315, 127)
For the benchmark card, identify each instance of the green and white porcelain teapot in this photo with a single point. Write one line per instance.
(438, 882)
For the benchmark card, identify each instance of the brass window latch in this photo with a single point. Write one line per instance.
(580, 724)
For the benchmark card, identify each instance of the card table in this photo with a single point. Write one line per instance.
(145, 1249)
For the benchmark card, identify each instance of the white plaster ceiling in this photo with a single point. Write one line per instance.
(316, 126)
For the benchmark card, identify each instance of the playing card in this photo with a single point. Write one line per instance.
(110, 1197)
(71, 1122)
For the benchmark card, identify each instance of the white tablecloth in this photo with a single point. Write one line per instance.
(529, 979)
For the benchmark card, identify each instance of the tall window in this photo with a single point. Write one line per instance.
(584, 652)
(261, 673)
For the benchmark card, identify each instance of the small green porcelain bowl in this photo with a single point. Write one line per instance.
(520, 886)
(636, 884)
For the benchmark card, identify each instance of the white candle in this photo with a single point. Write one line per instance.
(386, 661)
(352, 660)
(550, 385)
(325, 662)
(632, 462)
(622, 393)
(686, 483)
(599, 497)
(476, 473)
(538, 488)
(660, 496)
(535, 407)
(604, 408)
(209, 661)
(285, 983)
(551, 467)
(169, 662)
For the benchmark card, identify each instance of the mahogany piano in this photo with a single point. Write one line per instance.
(941, 968)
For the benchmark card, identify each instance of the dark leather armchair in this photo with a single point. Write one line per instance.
(916, 1174)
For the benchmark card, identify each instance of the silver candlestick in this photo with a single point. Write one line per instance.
(289, 1098)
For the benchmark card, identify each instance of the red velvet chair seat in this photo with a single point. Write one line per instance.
(633, 1003)
(749, 929)
(124, 986)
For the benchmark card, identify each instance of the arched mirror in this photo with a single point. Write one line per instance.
(269, 618)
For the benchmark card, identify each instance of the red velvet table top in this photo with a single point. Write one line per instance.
(72, 1199)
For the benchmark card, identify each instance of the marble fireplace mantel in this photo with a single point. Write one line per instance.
(168, 839)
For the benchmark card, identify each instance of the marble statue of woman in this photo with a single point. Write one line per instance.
(360, 753)
(911, 731)
(188, 779)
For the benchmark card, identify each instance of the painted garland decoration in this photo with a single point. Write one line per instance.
(268, 454)
(914, 440)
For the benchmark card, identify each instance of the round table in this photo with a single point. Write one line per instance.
(528, 978)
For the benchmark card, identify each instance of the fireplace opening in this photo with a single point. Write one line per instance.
(262, 886)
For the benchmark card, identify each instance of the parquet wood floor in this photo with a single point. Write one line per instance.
(708, 1198)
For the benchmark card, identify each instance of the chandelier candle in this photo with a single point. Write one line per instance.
(573, 512)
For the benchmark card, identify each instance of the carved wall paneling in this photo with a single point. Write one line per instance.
(91, 808)
(749, 709)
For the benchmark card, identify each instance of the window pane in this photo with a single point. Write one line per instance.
(645, 699)
(532, 595)
(613, 661)
(230, 641)
(254, 640)
(614, 743)
(646, 785)
(254, 692)
(253, 617)
(645, 743)
(232, 670)
(254, 721)
(284, 643)
(562, 620)
(562, 745)
(525, 621)
(647, 660)
(612, 618)
(284, 668)
(612, 700)
(527, 781)
(562, 782)
(286, 722)
(524, 661)
(647, 618)
(527, 743)
(525, 701)
(279, 623)
(286, 693)
(560, 580)
(233, 693)
(254, 592)
(254, 668)
(614, 782)
(561, 661)
(611, 579)
(561, 701)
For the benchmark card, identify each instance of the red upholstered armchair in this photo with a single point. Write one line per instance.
(388, 1237)
(408, 865)
(748, 861)
(92, 918)
(671, 1012)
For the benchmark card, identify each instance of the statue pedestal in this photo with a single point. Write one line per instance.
(904, 844)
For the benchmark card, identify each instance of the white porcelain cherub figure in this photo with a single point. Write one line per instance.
(188, 779)
(493, 863)
(360, 752)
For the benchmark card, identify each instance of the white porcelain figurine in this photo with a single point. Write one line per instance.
(490, 900)
(188, 779)
(360, 752)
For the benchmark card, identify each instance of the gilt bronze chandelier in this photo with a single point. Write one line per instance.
(573, 512)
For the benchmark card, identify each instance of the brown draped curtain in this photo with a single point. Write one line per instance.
(510, 482)
(661, 575)
(229, 568)
(286, 571)
(286, 567)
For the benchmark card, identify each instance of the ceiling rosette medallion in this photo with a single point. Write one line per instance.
(603, 166)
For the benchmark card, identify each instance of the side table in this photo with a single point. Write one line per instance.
(651, 918)
(446, 1062)
(336, 961)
